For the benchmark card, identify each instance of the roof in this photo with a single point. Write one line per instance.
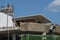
(39, 17)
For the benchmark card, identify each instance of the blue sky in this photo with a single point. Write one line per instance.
(49, 8)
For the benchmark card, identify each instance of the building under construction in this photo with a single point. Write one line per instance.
(34, 27)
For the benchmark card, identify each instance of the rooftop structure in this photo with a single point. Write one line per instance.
(7, 9)
(39, 18)
(36, 23)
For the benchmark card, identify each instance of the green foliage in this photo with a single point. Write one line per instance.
(40, 37)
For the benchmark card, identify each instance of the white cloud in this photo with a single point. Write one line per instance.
(54, 6)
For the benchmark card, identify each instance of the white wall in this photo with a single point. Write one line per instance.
(3, 20)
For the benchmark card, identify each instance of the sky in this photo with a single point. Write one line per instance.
(48, 8)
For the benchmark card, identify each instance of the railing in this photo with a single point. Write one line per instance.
(9, 28)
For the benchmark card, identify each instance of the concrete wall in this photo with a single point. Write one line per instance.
(33, 27)
(39, 27)
(3, 20)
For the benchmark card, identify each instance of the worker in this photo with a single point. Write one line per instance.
(51, 29)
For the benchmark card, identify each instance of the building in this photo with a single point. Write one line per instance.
(35, 24)
(3, 20)
(13, 28)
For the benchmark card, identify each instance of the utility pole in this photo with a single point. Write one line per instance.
(9, 11)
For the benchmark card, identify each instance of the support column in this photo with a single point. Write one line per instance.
(14, 37)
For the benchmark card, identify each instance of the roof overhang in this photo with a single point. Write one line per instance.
(39, 17)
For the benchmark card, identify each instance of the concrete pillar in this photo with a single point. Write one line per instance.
(14, 37)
